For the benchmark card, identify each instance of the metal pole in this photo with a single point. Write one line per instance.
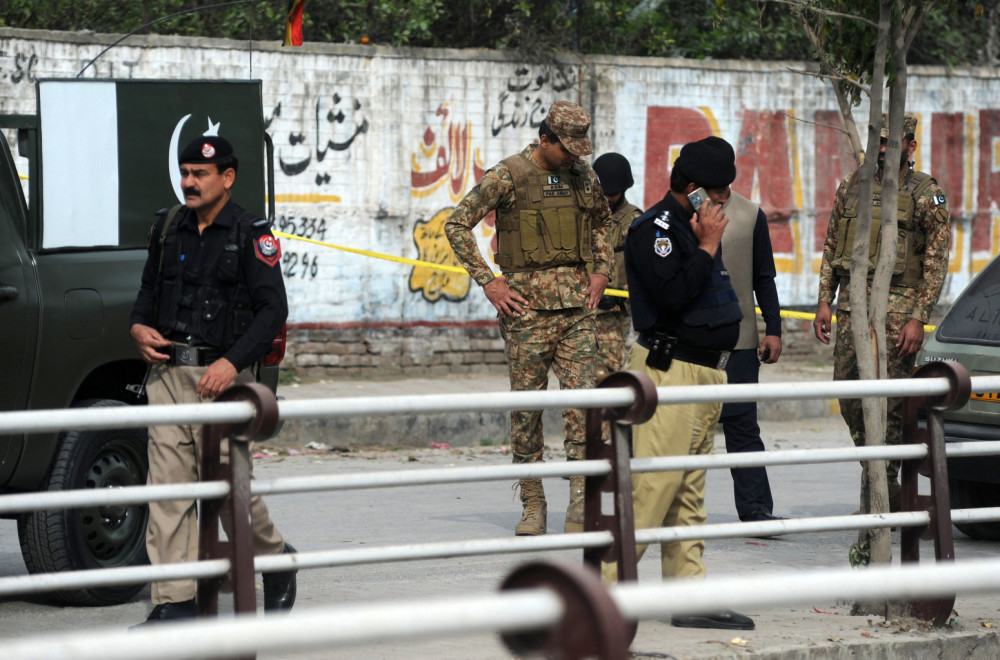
(935, 466)
(236, 511)
(911, 581)
(326, 628)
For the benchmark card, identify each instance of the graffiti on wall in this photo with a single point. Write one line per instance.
(964, 156)
(301, 150)
(296, 264)
(18, 67)
(445, 160)
(528, 95)
(337, 122)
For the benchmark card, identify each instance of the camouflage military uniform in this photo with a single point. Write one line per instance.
(612, 314)
(905, 302)
(557, 329)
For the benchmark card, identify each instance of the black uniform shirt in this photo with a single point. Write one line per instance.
(261, 274)
(667, 273)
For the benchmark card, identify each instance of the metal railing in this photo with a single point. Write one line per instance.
(249, 412)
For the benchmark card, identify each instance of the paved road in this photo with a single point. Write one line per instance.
(451, 512)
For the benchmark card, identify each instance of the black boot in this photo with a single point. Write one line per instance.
(279, 588)
(164, 612)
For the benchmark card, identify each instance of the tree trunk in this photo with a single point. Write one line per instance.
(871, 362)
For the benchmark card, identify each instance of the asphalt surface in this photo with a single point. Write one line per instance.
(366, 518)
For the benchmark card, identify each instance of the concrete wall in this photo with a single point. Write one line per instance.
(375, 145)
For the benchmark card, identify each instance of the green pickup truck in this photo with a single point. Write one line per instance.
(101, 161)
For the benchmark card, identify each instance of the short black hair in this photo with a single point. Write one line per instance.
(678, 180)
(229, 162)
(545, 131)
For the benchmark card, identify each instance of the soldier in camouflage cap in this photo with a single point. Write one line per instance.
(552, 219)
(909, 126)
(570, 123)
(918, 276)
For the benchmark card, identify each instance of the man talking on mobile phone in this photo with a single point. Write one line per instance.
(750, 263)
(688, 319)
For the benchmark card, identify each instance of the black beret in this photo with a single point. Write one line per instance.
(710, 163)
(207, 149)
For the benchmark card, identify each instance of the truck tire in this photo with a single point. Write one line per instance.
(100, 537)
(974, 495)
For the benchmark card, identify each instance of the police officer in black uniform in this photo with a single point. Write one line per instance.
(688, 319)
(211, 301)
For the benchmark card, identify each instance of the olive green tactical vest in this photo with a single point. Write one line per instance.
(911, 241)
(550, 221)
(620, 221)
(737, 254)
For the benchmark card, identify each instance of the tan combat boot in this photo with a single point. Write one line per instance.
(574, 512)
(534, 513)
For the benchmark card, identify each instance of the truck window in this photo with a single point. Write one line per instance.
(12, 206)
(975, 316)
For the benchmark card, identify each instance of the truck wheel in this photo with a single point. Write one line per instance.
(99, 537)
(975, 495)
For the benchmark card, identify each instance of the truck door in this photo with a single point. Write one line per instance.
(18, 306)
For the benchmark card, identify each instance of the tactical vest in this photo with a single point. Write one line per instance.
(911, 241)
(715, 307)
(618, 225)
(737, 252)
(221, 305)
(549, 223)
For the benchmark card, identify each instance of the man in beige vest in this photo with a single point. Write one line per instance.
(750, 262)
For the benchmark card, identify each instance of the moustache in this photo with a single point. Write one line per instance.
(192, 192)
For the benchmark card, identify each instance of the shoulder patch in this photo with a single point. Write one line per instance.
(940, 200)
(268, 249)
(662, 246)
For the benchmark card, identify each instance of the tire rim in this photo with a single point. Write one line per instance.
(113, 533)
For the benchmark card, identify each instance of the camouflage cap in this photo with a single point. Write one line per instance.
(570, 123)
(909, 125)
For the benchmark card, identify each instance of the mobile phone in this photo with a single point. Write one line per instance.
(697, 198)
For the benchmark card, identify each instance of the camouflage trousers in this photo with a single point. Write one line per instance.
(612, 333)
(845, 367)
(539, 340)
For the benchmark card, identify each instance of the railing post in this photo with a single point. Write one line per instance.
(621, 523)
(236, 470)
(591, 625)
(934, 466)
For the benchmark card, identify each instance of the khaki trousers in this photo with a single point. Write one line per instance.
(668, 499)
(174, 457)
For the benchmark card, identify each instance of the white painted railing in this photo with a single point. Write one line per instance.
(528, 610)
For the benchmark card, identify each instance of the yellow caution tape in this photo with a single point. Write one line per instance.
(376, 255)
(404, 260)
(458, 269)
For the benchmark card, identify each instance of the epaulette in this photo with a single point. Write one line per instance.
(648, 215)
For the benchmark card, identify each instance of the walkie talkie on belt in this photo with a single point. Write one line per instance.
(661, 350)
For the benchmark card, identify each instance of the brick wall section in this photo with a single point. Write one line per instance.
(424, 352)
(318, 353)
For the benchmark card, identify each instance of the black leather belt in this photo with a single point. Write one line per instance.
(700, 356)
(182, 355)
